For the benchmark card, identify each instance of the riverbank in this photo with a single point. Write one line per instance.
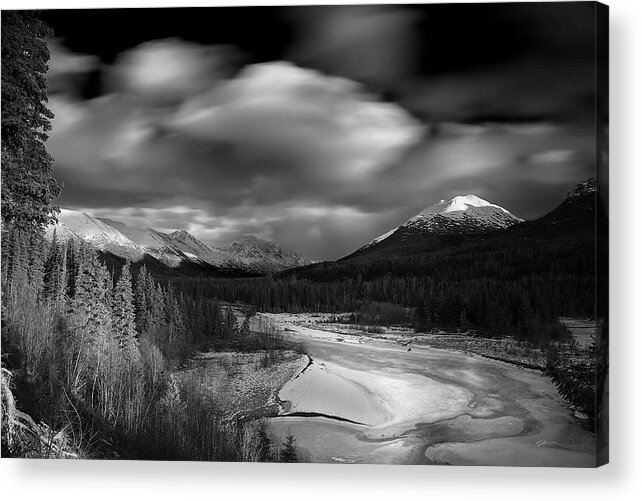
(244, 385)
(328, 326)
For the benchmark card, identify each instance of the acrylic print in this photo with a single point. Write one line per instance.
(324, 234)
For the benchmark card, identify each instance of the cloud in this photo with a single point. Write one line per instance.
(167, 71)
(329, 232)
(526, 89)
(329, 126)
(527, 168)
(67, 113)
(68, 71)
(270, 150)
(313, 162)
(377, 45)
(552, 157)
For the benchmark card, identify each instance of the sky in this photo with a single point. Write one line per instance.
(318, 128)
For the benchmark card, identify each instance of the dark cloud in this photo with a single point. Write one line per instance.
(526, 90)
(375, 44)
(68, 71)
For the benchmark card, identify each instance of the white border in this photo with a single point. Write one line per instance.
(100, 480)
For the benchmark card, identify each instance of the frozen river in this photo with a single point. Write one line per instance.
(377, 402)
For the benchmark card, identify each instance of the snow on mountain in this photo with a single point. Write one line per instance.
(188, 243)
(78, 224)
(142, 237)
(463, 214)
(166, 249)
(458, 205)
(263, 255)
(148, 241)
(380, 238)
(248, 254)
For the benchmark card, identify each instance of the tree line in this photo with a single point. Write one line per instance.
(495, 288)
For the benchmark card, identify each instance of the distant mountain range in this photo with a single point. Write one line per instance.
(175, 250)
(446, 224)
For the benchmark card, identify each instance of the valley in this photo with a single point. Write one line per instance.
(463, 336)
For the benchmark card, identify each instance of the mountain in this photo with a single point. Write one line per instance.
(175, 250)
(102, 236)
(554, 255)
(581, 212)
(467, 214)
(270, 257)
(588, 187)
(441, 224)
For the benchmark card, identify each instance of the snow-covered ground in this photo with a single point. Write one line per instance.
(311, 325)
(374, 400)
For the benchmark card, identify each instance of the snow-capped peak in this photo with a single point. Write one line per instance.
(183, 235)
(253, 249)
(79, 224)
(461, 215)
(471, 213)
(458, 203)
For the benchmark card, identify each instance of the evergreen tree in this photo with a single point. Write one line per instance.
(174, 323)
(122, 307)
(157, 320)
(264, 444)
(55, 272)
(23, 262)
(142, 298)
(90, 316)
(288, 453)
(28, 188)
(36, 254)
(72, 263)
(14, 261)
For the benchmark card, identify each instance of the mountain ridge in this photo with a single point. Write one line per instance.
(173, 249)
(567, 229)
